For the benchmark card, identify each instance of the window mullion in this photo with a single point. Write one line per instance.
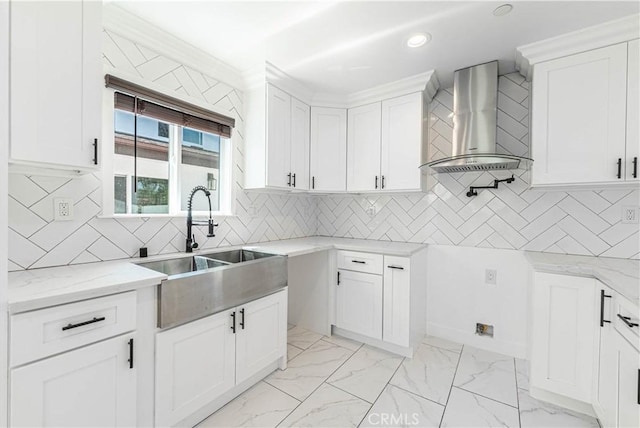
(174, 169)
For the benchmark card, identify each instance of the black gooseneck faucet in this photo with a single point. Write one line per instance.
(191, 239)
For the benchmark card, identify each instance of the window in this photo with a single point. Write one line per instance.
(160, 154)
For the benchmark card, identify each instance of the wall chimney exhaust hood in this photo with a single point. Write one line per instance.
(475, 108)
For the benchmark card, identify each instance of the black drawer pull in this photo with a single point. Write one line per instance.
(376, 181)
(95, 151)
(80, 324)
(619, 168)
(338, 277)
(635, 167)
(383, 182)
(242, 318)
(130, 360)
(359, 261)
(602, 297)
(294, 180)
(313, 182)
(627, 321)
(289, 181)
(395, 267)
(233, 322)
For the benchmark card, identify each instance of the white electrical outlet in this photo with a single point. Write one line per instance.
(630, 215)
(62, 209)
(490, 276)
(371, 211)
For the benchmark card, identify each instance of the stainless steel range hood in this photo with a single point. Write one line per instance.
(475, 107)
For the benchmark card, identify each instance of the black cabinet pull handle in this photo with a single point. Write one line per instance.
(395, 267)
(382, 182)
(635, 167)
(313, 182)
(602, 297)
(130, 360)
(289, 181)
(233, 322)
(242, 318)
(619, 168)
(294, 180)
(359, 261)
(338, 277)
(628, 321)
(376, 181)
(95, 151)
(80, 324)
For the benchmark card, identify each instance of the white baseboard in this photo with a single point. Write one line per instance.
(518, 350)
(400, 350)
(562, 401)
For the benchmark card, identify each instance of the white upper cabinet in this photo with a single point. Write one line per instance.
(300, 118)
(578, 117)
(278, 137)
(328, 149)
(384, 145)
(402, 142)
(363, 148)
(277, 140)
(633, 111)
(56, 95)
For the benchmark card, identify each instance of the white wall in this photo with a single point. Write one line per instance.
(4, 156)
(457, 297)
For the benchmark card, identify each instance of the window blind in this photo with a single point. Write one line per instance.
(168, 109)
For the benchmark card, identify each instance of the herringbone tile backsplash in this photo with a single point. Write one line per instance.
(580, 222)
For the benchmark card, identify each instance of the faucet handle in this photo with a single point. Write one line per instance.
(194, 244)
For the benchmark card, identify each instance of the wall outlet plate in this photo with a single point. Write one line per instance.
(630, 215)
(491, 276)
(62, 209)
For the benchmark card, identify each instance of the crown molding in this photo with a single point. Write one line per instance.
(609, 33)
(130, 26)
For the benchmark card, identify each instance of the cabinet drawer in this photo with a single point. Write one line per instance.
(360, 262)
(49, 331)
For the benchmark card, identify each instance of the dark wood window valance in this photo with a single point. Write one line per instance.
(154, 104)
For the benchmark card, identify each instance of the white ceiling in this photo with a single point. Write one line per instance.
(342, 47)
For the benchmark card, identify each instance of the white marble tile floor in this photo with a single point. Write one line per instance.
(336, 382)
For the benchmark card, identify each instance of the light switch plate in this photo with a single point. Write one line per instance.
(62, 209)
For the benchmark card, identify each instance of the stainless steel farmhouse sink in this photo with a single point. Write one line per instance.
(209, 283)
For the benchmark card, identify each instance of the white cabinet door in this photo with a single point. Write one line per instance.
(628, 384)
(278, 138)
(56, 95)
(300, 117)
(578, 117)
(396, 301)
(606, 375)
(402, 125)
(564, 326)
(261, 334)
(633, 111)
(363, 148)
(359, 303)
(328, 149)
(88, 387)
(195, 364)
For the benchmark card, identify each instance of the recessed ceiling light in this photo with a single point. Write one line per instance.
(503, 10)
(418, 40)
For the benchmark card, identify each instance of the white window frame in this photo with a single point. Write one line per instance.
(226, 190)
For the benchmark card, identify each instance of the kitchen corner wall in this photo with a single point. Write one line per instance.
(36, 241)
(582, 222)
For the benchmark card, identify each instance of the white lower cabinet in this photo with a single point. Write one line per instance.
(628, 408)
(382, 297)
(88, 387)
(564, 325)
(195, 363)
(261, 334)
(606, 375)
(359, 303)
(397, 300)
(198, 362)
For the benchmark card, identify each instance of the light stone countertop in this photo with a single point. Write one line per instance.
(622, 275)
(38, 288)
